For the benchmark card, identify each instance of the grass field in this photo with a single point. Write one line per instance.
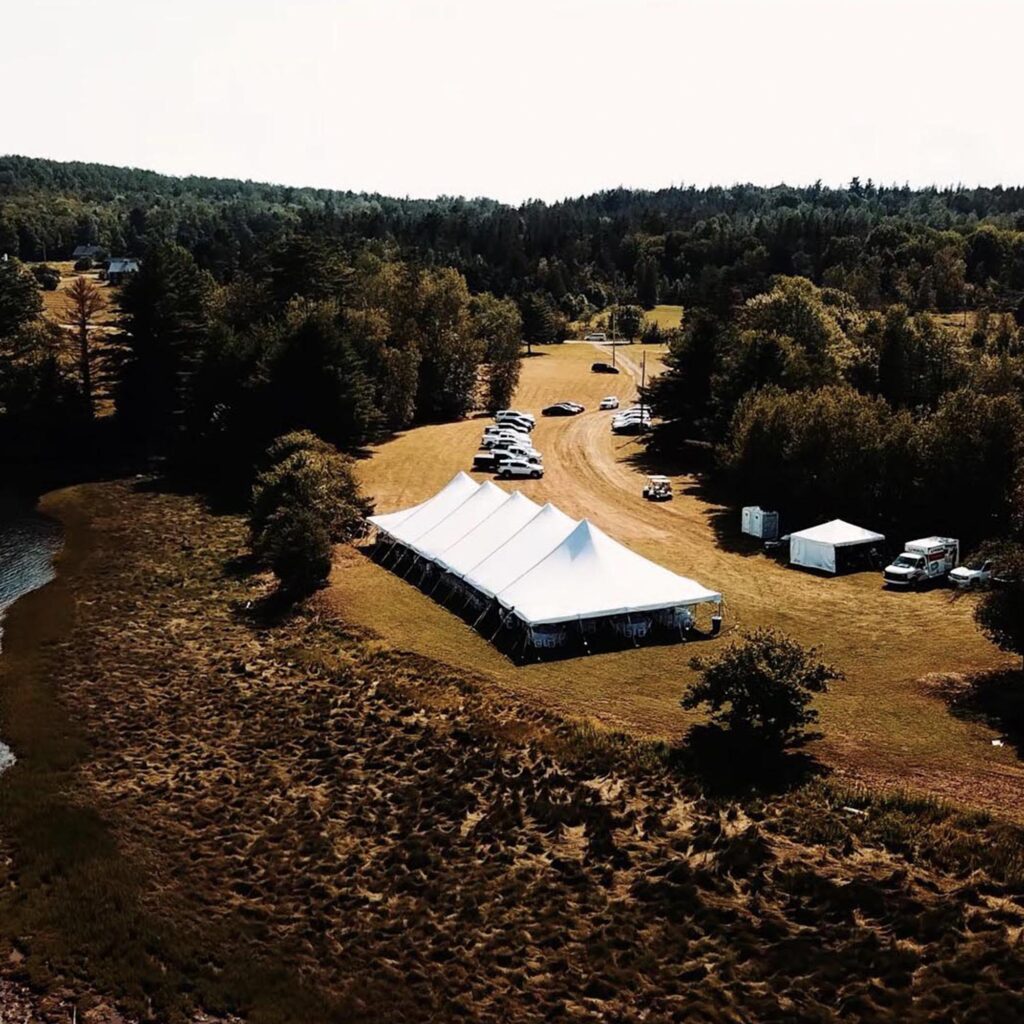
(55, 302)
(885, 724)
(665, 317)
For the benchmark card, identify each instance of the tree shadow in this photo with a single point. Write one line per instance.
(728, 764)
(995, 699)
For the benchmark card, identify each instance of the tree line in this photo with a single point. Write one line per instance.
(204, 375)
(925, 248)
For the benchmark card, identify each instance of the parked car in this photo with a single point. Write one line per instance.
(631, 418)
(603, 368)
(520, 467)
(658, 488)
(518, 413)
(595, 336)
(517, 451)
(486, 462)
(611, 402)
(563, 409)
(976, 573)
(503, 440)
(511, 423)
(509, 416)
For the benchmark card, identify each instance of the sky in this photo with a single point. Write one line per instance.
(522, 98)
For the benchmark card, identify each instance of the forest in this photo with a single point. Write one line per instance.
(814, 358)
(713, 247)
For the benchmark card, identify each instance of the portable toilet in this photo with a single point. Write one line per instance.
(758, 522)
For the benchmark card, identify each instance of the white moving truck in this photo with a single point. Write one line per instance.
(923, 561)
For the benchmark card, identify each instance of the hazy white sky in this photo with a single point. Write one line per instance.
(521, 98)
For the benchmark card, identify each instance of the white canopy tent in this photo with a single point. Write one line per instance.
(405, 526)
(541, 566)
(816, 547)
(589, 575)
(548, 528)
(478, 506)
(489, 534)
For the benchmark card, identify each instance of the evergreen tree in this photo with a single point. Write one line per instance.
(165, 326)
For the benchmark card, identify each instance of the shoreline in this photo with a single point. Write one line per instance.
(15, 638)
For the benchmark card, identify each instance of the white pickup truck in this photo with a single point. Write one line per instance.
(923, 561)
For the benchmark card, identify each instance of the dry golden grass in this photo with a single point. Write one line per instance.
(882, 725)
(229, 811)
(666, 317)
(55, 302)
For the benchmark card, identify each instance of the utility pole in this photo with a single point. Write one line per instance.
(643, 389)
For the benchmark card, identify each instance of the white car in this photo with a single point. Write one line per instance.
(516, 413)
(504, 439)
(595, 336)
(611, 402)
(631, 416)
(972, 574)
(520, 467)
(518, 451)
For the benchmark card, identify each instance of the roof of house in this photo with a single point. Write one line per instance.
(122, 265)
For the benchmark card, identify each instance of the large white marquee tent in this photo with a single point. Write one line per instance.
(540, 566)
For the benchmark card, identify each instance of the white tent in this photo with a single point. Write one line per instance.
(541, 565)
(544, 532)
(478, 506)
(489, 534)
(407, 525)
(816, 547)
(589, 575)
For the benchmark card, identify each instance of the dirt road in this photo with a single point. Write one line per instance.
(882, 724)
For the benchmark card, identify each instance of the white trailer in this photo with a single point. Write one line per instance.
(758, 522)
(923, 561)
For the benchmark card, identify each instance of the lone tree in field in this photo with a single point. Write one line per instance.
(1000, 613)
(762, 687)
(84, 302)
(630, 321)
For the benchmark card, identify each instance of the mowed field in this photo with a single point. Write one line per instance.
(55, 303)
(884, 725)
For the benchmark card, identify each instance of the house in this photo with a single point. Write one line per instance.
(87, 252)
(119, 268)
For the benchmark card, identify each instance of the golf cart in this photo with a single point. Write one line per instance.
(658, 488)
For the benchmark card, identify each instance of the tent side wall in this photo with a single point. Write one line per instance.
(812, 554)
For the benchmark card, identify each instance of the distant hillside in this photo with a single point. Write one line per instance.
(926, 247)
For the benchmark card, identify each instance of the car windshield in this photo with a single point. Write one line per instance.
(975, 566)
(908, 561)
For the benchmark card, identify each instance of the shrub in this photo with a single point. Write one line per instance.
(47, 277)
(295, 545)
(306, 472)
(762, 687)
(1000, 613)
(85, 263)
(306, 499)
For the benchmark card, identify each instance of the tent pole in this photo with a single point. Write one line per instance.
(437, 584)
(583, 636)
(480, 617)
(501, 623)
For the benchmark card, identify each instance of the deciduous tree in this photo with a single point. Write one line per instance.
(761, 687)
